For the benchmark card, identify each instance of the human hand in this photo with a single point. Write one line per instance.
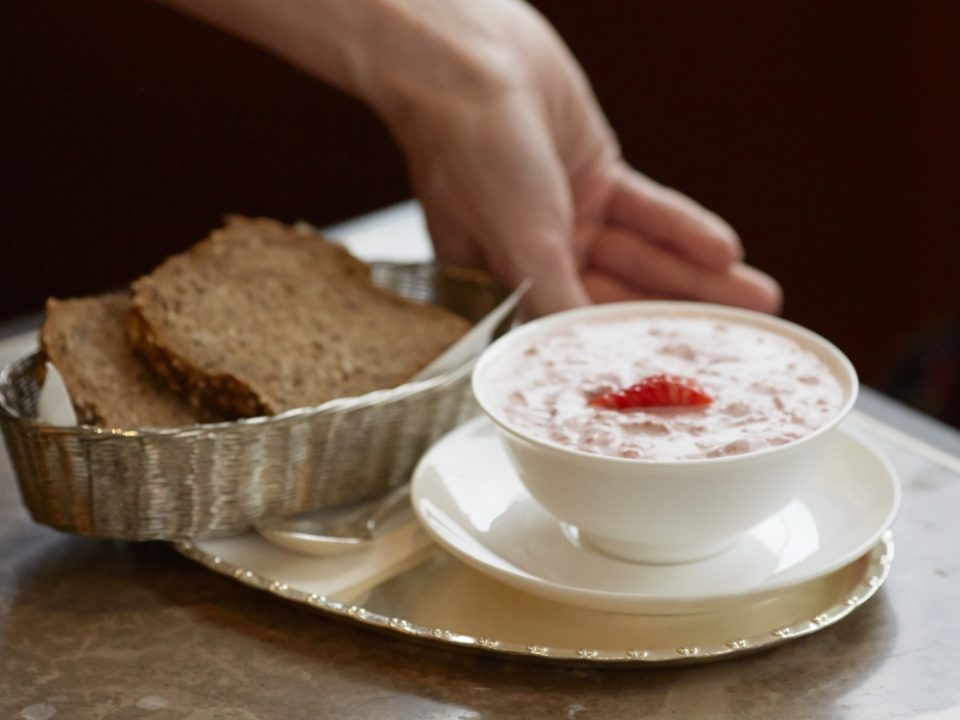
(509, 153)
(518, 171)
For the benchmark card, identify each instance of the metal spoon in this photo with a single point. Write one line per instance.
(338, 530)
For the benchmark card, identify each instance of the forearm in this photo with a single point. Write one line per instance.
(391, 54)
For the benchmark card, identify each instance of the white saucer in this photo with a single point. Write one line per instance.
(470, 500)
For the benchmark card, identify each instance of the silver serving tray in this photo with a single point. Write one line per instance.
(434, 598)
(218, 479)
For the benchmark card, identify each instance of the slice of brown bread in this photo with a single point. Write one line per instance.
(260, 318)
(86, 340)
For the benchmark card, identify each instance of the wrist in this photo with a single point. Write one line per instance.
(426, 57)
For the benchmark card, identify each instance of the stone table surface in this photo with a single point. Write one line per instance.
(99, 629)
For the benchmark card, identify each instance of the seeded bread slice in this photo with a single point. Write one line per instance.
(260, 318)
(86, 340)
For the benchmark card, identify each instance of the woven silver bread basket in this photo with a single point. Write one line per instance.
(218, 479)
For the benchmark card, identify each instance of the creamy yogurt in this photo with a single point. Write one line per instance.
(767, 390)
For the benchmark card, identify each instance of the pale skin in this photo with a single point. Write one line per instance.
(509, 153)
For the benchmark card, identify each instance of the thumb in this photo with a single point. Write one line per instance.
(543, 257)
(546, 258)
(533, 233)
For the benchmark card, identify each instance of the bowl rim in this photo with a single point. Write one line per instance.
(503, 344)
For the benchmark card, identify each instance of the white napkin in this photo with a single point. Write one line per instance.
(53, 405)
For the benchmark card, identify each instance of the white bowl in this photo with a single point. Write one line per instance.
(662, 511)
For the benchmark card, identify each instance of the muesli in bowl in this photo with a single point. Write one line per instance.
(664, 430)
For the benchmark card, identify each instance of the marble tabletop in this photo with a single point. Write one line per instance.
(98, 629)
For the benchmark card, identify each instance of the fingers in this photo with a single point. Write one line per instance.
(548, 261)
(526, 250)
(451, 244)
(756, 289)
(648, 267)
(646, 207)
(604, 288)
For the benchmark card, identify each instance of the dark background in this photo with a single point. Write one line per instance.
(827, 133)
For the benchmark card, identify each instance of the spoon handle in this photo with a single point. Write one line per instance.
(398, 496)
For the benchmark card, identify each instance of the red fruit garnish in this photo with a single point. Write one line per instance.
(655, 391)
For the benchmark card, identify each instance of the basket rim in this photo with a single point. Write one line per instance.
(331, 407)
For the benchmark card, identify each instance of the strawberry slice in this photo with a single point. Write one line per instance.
(655, 391)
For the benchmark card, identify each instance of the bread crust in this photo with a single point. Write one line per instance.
(261, 318)
(85, 339)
